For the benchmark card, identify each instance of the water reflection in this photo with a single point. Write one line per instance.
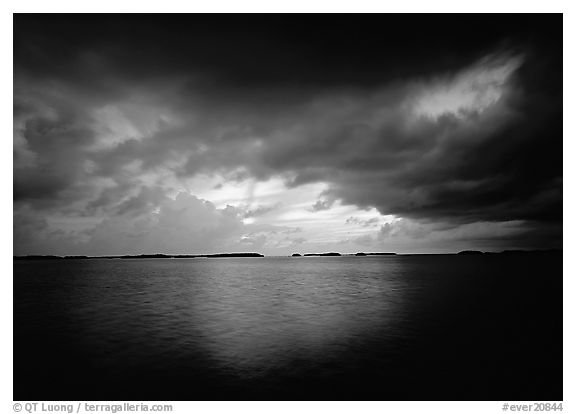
(236, 317)
(254, 317)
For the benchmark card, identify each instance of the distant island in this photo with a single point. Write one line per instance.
(226, 255)
(141, 256)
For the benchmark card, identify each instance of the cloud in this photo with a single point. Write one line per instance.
(410, 236)
(152, 222)
(184, 224)
(320, 205)
(470, 91)
(260, 210)
(476, 142)
(371, 222)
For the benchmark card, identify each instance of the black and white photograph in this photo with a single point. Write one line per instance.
(288, 207)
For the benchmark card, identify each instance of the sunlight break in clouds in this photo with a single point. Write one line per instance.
(470, 91)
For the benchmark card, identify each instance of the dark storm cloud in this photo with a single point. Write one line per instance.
(113, 112)
(260, 51)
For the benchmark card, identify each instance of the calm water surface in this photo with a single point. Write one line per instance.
(377, 328)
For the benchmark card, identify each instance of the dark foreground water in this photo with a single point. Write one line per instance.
(337, 328)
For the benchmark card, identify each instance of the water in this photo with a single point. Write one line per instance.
(336, 328)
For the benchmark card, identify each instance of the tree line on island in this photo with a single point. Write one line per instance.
(185, 256)
(142, 256)
(251, 255)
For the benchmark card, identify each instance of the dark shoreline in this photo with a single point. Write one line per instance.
(236, 255)
(141, 256)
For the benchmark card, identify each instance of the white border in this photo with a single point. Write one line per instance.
(288, 6)
(296, 6)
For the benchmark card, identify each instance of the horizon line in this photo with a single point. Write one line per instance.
(259, 255)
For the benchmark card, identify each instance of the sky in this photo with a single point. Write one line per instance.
(284, 134)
